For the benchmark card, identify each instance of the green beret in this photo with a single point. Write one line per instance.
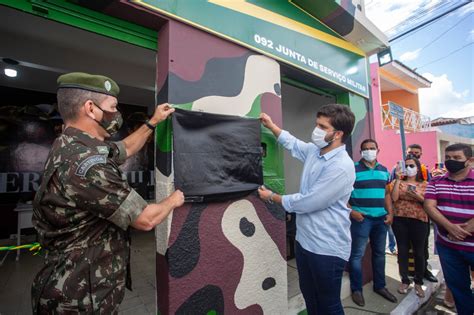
(89, 82)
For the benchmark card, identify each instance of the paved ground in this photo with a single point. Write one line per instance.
(16, 278)
(435, 305)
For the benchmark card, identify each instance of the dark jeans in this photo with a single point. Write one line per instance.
(375, 230)
(320, 279)
(457, 265)
(410, 231)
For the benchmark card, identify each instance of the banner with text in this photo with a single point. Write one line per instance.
(278, 29)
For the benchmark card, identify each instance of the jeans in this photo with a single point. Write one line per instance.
(320, 279)
(427, 242)
(391, 239)
(457, 265)
(410, 231)
(375, 230)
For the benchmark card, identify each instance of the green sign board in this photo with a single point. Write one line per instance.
(278, 29)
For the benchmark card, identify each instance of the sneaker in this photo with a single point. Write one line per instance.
(403, 288)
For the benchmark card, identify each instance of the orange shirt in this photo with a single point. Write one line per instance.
(424, 172)
(407, 206)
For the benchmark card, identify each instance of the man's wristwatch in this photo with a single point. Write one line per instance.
(147, 123)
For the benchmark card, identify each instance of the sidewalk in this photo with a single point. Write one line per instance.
(407, 304)
(374, 304)
(16, 278)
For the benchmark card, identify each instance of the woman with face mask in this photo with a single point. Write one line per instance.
(409, 223)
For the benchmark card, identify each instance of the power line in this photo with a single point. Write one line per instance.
(429, 21)
(418, 14)
(446, 56)
(423, 27)
(431, 42)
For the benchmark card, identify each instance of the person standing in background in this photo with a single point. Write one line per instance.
(409, 223)
(417, 151)
(371, 214)
(449, 201)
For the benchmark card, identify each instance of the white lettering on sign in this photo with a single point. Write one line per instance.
(24, 182)
(15, 182)
(282, 50)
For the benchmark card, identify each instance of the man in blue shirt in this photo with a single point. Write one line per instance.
(371, 213)
(322, 216)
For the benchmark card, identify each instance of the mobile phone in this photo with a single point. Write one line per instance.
(411, 188)
(401, 167)
(439, 165)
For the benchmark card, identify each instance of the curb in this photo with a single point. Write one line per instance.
(411, 303)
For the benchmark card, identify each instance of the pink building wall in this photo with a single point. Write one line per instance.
(389, 141)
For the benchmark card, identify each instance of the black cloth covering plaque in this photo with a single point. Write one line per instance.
(216, 157)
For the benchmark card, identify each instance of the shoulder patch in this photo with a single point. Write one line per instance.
(89, 162)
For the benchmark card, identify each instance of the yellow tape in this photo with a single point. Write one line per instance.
(32, 247)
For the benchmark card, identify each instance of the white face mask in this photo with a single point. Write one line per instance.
(369, 155)
(411, 171)
(317, 137)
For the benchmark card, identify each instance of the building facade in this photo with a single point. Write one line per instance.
(236, 58)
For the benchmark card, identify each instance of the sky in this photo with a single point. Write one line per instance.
(442, 52)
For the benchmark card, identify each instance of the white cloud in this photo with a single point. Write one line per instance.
(467, 9)
(410, 55)
(466, 110)
(389, 14)
(442, 100)
(471, 35)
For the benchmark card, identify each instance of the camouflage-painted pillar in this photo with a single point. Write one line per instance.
(226, 257)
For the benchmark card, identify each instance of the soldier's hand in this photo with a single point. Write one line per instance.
(161, 113)
(177, 198)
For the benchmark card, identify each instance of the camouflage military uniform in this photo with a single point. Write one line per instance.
(82, 211)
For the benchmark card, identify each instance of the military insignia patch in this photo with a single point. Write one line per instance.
(102, 149)
(107, 85)
(88, 163)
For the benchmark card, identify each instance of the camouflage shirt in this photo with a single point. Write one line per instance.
(82, 210)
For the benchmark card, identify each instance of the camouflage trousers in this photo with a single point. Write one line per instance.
(84, 281)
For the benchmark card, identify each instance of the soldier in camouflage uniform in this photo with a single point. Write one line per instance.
(84, 206)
